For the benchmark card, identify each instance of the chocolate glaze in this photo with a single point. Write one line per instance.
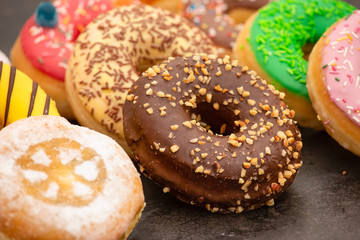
(240, 167)
(255, 4)
(10, 89)
(32, 98)
(210, 17)
(47, 105)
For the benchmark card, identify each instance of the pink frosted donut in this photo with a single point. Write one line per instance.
(45, 43)
(333, 81)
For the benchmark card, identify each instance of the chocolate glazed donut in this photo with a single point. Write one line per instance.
(212, 133)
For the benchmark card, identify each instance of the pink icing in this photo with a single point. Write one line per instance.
(49, 49)
(341, 66)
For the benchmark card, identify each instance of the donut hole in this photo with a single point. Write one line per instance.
(219, 122)
(144, 63)
(307, 48)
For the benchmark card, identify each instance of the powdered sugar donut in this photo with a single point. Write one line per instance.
(333, 81)
(61, 181)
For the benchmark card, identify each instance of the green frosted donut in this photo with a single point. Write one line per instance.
(282, 28)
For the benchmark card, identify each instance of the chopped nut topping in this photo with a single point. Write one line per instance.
(228, 67)
(223, 128)
(298, 145)
(281, 179)
(187, 124)
(249, 141)
(151, 72)
(245, 94)
(282, 95)
(270, 203)
(174, 148)
(202, 91)
(246, 164)
(251, 102)
(234, 143)
(149, 92)
(208, 97)
(174, 127)
(254, 161)
(267, 151)
(289, 133)
(207, 171)
(275, 186)
(160, 94)
(287, 174)
(239, 209)
(253, 112)
(281, 134)
(199, 169)
(150, 110)
(245, 186)
(130, 97)
(191, 77)
(205, 71)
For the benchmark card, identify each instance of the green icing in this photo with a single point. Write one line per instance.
(283, 27)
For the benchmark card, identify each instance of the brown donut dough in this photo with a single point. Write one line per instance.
(212, 133)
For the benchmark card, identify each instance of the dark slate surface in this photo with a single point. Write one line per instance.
(323, 202)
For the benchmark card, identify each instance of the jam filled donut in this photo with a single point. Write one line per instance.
(212, 133)
(62, 181)
(334, 81)
(272, 43)
(20, 97)
(111, 52)
(46, 40)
